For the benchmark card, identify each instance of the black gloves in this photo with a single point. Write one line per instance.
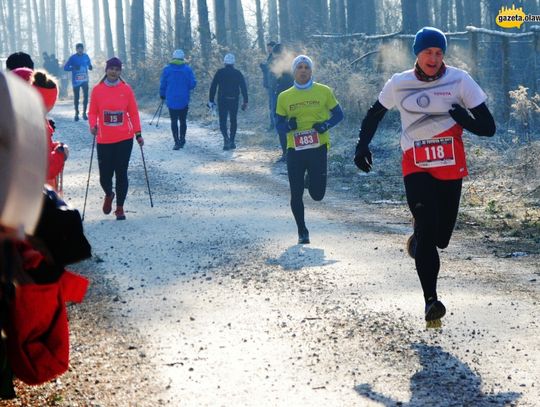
(363, 158)
(321, 127)
(460, 115)
(291, 124)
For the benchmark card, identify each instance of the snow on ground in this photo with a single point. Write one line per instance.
(233, 312)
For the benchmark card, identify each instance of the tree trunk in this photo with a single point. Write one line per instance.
(241, 23)
(120, 35)
(273, 27)
(460, 15)
(370, 16)
(108, 29)
(296, 31)
(232, 20)
(156, 45)
(204, 31)
(444, 15)
(422, 12)
(168, 24)
(341, 16)
(219, 22)
(81, 25)
(260, 28)
(474, 13)
(65, 31)
(178, 24)
(354, 24)
(188, 40)
(325, 15)
(284, 32)
(52, 26)
(127, 22)
(138, 36)
(97, 30)
(37, 24)
(409, 17)
(17, 17)
(30, 26)
(3, 33)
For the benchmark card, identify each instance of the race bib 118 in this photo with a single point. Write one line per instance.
(436, 152)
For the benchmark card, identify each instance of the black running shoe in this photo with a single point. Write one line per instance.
(303, 237)
(434, 310)
(84, 116)
(232, 145)
(76, 118)
(176, 146)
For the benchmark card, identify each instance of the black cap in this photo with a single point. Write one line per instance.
(79, 45)
(19, 60)
(270, 43)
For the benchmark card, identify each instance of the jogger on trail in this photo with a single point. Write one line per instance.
(229, 82)
(177, 82)
(434, 101)
(114, 120)
(79, 64)
(305, 113)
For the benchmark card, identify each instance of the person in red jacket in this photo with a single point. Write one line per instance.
(114, 119)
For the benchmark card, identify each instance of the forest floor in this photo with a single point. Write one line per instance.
(207, 300)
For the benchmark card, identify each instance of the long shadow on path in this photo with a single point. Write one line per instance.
(299, 256)
(443, 381)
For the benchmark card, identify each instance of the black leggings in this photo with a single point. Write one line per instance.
(298, 162)
(228, 107)
(434, 204)
(114, 159)
(178, 115)
(76, 93)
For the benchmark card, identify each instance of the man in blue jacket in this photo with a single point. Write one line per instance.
(79, 64)
(177, 81)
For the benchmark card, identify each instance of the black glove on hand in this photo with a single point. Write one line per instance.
(291, 124)
(321, 127)
(363, 158)
(459, 114)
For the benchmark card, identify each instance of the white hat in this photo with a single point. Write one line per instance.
(178, 54)
(302, 59)
(229, 59)
(23, 154)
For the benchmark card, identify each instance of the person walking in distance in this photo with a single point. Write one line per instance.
(114, 121)
(436, 102)
(229, 82)
(79, 64)
(305, 113)
(177, 82)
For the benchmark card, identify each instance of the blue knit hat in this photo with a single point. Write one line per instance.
(429, 37)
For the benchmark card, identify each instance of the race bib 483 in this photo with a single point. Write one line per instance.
(306, 139)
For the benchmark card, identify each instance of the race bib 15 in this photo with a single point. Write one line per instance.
(113, 118)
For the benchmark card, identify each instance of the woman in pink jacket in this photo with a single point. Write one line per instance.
(114, 121)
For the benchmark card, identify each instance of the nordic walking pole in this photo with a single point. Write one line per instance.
(159, 114)
(155, 114)
(146, 176)
(89, 172)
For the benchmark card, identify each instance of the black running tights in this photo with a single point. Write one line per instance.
(113, 159)
(434, 204)
(179, 115)
(228, 107)
(298, 162)
(76, 93)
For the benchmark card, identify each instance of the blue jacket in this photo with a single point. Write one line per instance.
(177, 81)
(79, 66)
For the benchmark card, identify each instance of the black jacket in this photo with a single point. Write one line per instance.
(230, 82)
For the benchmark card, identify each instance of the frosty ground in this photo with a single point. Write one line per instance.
(206, 299)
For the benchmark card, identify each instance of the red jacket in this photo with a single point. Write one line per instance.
(56, 158)
(113, 109)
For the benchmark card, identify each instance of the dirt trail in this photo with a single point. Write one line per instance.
(231, 311)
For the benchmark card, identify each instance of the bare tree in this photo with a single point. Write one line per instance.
(219, 22)
(273, 27)
(284, 33)
(65, 30)
(30, 26)
(460, 15)
(51, 30)
(204, 30)
(10, 26)
(232, 23)
(138, 35)
(168, 23)
(127, 21)
(97, 28)
(325, 15)
(260, 28)
(241, 24)
(188, 41)
(17, 16)
(108, 29)
(3, 33)
(156, 46)
(120, 35)
(409, 16)
(37, 23)
(81, 24)
(178, 24)
(42, 26)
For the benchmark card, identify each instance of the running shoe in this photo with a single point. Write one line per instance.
(76, 118)
(84, 116)
(434, 310)
(119, 212)
(303, 237)
(176, 146)
(232, 145)
(107, 203)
